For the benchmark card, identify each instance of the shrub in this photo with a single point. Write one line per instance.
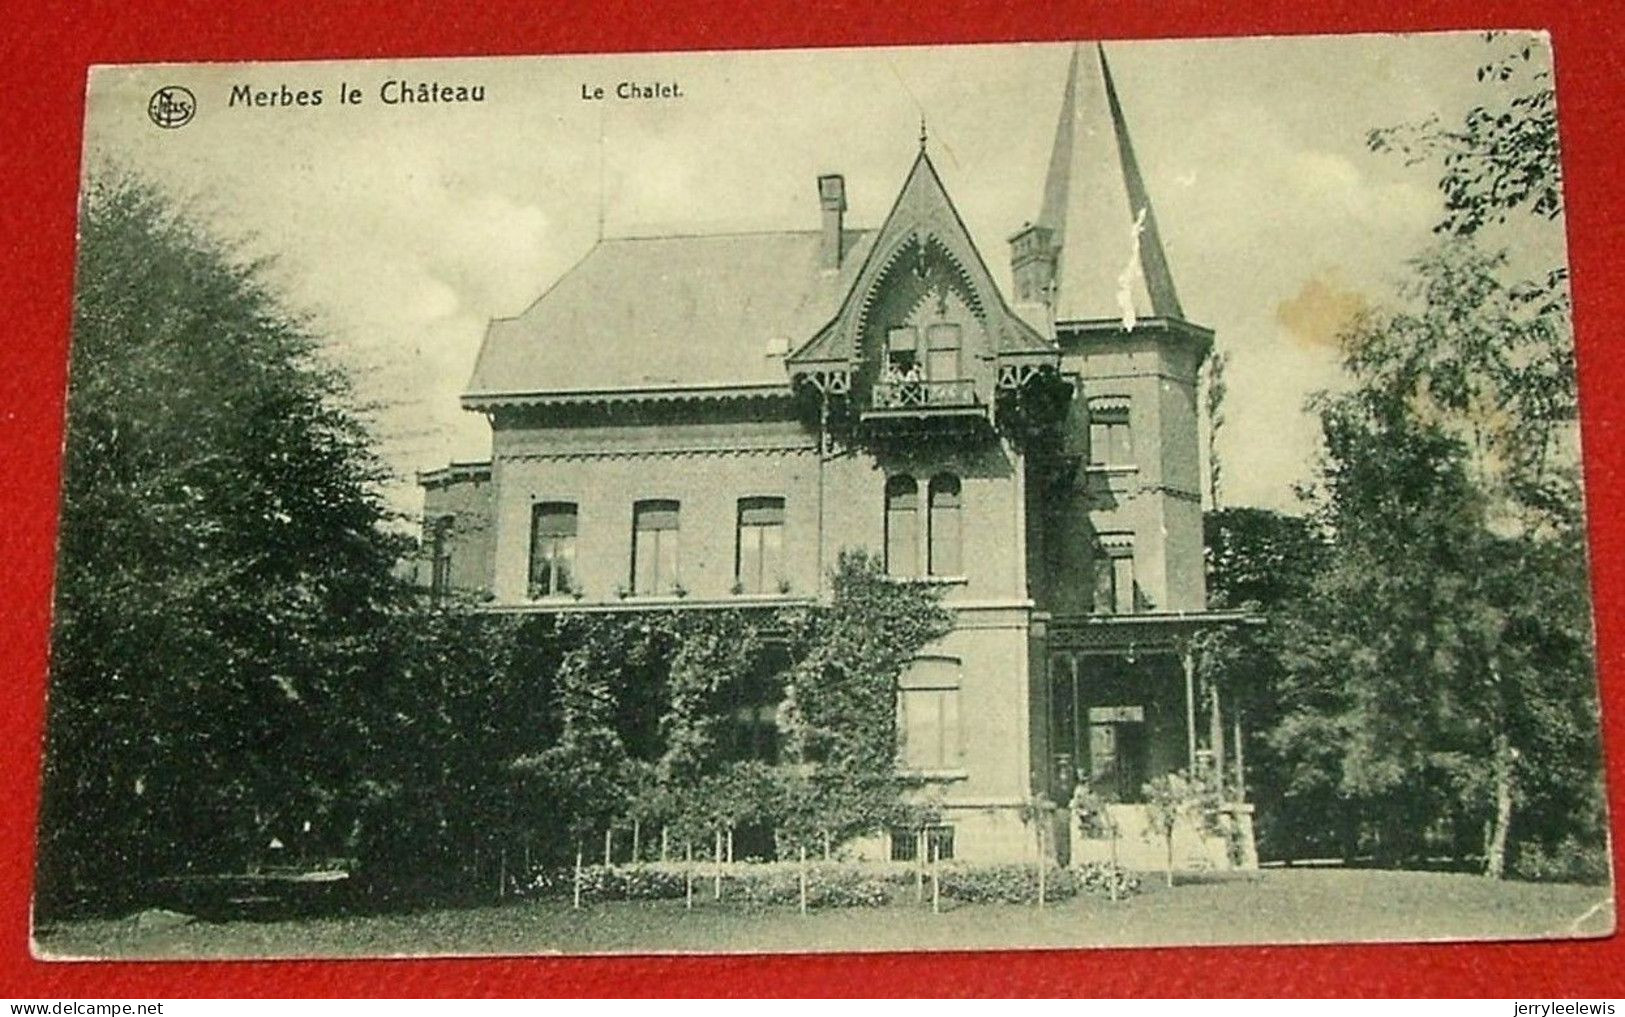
(834, 885)
(1571, 860)
(1018, 884)
(1103, 877)
(772, 884)
(1006, 884)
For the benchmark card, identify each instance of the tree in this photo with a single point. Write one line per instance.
(1266, 562)
(223, 565)
(1431, 683)
(1480, 371)
(1174, 798)
(1503, 158)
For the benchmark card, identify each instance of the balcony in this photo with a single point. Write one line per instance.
(916, 399)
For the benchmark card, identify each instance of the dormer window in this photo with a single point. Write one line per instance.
(902, 354)
(943, 345)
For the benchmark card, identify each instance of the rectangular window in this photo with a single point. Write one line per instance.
(1123, 583)
(906, 843)
(1111, 442)
(902, 354)
(942, 352)
(655, 544)
(755, 733)
(928, 721)
(1114, 580)
(759, 556)
(552, 548)
(440, 560)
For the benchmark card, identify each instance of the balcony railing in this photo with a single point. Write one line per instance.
(901, 395)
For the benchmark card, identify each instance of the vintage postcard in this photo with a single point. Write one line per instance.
(1053, 495)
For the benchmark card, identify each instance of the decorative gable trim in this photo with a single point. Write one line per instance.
(922, 220)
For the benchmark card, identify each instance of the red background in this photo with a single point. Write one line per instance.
(43, 57)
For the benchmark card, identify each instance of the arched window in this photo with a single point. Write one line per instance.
(902, 526)
(944, 553)
(654, 546)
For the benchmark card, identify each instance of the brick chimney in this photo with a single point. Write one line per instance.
(832, 199)
(1033, 258)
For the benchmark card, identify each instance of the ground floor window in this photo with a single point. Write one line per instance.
(936, 841)
(928, 715)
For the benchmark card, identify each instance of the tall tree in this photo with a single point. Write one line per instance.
(1489, 359)
(1450, 486)
(222, 560)
(1502, 160)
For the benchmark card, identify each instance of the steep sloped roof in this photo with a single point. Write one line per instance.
(923, 211)
(1112, 264)
(669, 312)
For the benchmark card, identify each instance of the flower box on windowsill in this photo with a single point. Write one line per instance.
(554, 598)
(931, 580)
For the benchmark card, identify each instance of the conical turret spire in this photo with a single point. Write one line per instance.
(1111, 263)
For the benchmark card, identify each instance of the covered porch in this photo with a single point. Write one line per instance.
(1129, 704)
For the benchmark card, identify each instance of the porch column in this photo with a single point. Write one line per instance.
(1188, 660)
(1241, 764)
(1216, 735)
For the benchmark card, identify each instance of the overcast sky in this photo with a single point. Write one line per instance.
(403, 229)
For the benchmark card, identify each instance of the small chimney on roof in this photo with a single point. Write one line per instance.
(832, 199)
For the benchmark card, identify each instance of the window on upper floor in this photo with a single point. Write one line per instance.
(902, 526)
(1114, 575)
(440, 558)
(552, 548)
(759, 547)
(944, 553)
(1111, 441)
(942, 352)
(655, 546)
(902, 354)
(928, 715)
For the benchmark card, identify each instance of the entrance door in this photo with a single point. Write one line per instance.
(1117, 751)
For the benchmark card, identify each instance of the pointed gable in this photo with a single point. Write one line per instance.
(922, 227)
(1111, 264)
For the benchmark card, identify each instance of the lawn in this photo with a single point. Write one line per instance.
(1272, 906)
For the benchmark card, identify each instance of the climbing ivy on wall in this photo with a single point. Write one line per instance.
(640, 699)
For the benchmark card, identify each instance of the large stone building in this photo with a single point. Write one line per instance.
(707, 421)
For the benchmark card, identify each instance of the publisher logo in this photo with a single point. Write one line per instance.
(172, 106)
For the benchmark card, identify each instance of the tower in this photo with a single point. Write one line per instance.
(1126, 537)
